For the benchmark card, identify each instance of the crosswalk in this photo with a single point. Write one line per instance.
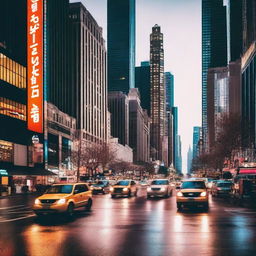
(15, 213)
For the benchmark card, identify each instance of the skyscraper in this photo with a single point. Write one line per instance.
(88, 74)
(214, 47)
(175, 136)
(157, 109)
(121, 45)
(196, 137)
(234, 29)
(169, 87)
(189, 159)
(142, 82)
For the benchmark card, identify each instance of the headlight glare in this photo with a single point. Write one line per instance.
(61, 201)
(149, 189)
(37, 201)
(125, 189)
(179, 194)
(111, 189)
(203, 194)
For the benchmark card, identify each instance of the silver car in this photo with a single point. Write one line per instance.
(159, 187)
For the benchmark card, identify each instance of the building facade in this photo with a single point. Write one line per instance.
(189, 159)
(175, 136)
(139, 128)
(121, 45)
(142, 82)
(88, 74)
(118, 106)
(214, 48)
(197, 131)
(157, 93)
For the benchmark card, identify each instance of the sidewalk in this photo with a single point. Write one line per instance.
(19, 195)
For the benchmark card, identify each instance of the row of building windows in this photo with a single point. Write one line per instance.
(12, 72)
(6, 151)
(12, 109)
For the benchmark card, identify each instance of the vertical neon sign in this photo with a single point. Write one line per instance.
(35, 27)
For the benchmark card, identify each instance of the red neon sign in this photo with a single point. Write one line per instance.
(35, 65)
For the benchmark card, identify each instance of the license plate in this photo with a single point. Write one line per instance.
(191, 198)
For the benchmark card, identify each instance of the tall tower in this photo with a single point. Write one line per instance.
(121, 45)
(214, 48)
(88, 74)
(157, 91)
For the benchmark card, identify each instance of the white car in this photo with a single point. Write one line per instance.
(159, 187)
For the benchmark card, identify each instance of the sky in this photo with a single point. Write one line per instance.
(180, 22)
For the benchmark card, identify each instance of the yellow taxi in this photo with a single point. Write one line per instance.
(124, 188)
(192, 192)
(63, 198)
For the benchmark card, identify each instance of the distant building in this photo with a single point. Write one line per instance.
(139, 128)
(121, 45)
(142, 82)
(197, 131)
(158, 111)
(189, 159)
(214, 48)
(118, 106)
(88, 74)
(169, 87)
(179, 155)
(122, 152)
(175, 136)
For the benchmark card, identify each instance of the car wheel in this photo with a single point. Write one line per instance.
(89, 205)
(129, 194)
(179, 206)
(70, 210)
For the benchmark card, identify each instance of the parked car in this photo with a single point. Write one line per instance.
(63, 198)
(124, 188)
(221, 188)
(101, 186)
(192, 192)
(159, 187)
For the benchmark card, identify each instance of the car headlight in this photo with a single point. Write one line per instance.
(163, 189)
(91, 187)
(179, 194)
(203, 194)
(61, 201)
(148, 189)
(37, 201)
(125, 189)
(111, 189)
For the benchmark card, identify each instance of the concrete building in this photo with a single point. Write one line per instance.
(139, 128)
(88, 74)
(121, 45)
(61, 132)
(158, 111)
(118, 106)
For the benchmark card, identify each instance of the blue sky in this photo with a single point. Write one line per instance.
(180, 21)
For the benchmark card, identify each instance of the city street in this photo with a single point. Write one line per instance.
(128, 226)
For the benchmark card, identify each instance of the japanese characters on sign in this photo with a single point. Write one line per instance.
(35, 65)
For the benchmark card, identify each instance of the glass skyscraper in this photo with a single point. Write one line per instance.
(214, 48)
(121, 45)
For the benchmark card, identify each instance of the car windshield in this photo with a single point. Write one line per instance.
(224, 184)
(193, 184)
(60, 189)
(159, 182)
(123, 183)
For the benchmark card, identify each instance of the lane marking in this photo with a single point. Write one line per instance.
(20, 218)
(10, 207)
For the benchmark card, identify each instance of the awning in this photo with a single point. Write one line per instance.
(247, 171)
(29, 171)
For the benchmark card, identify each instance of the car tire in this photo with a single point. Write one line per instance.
(88, 205)
(129, 194)
(179, 206)
(70, 210)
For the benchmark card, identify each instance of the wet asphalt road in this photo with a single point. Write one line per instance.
(128, 226)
